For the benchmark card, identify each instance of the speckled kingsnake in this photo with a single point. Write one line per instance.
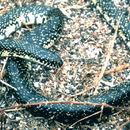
(26, 47)
(16, 74)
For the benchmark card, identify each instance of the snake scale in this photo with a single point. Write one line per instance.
(51, 24)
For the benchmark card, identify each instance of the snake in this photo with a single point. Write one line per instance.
(18, 48)
(32, 47)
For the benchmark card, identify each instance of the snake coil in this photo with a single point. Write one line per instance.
(31, 48)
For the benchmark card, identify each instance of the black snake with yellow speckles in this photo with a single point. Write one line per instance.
(16, 69)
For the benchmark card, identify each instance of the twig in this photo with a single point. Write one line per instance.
(3, 67)
(7, 84)
(113, 70)
(123, 125)
(4, 10)
(58, 102)
(96, 113)
(80, 93)
(111, 45)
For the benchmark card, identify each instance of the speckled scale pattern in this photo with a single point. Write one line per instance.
(47, 34)
(17, 71)
(28, 50)
(26, 15)
(69, 113)
(31, 46)
(112, 13)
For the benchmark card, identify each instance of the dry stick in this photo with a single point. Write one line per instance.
(123, 125)
(96, 113)
(82, 92)
(101, 113)
(3, 67)
(113, 70)
(61, 102)
(111, 45)
(72, 103)
(1, 73)
(7, 84)
(14, 110)
(4, 10)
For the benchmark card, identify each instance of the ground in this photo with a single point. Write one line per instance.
(83, 47)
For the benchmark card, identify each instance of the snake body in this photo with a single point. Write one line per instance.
(51, 20)
(64, 113)
(26, 47)
(114, 14)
